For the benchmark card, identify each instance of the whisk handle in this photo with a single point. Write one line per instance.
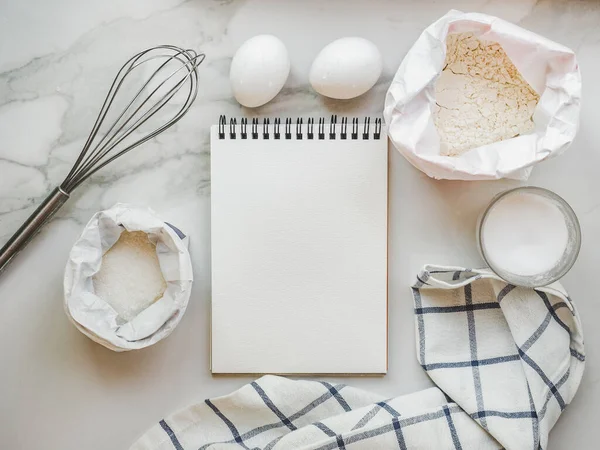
(32, 226)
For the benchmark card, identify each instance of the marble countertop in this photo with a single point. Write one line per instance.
(60, 390)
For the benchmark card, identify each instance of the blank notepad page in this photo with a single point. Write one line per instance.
(299, 255)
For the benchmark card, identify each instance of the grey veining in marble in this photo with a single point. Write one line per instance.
(59, 389)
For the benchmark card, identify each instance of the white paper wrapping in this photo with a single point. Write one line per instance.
(96, 318)
(550, 68)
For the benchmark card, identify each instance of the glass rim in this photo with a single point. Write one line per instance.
(526, 281)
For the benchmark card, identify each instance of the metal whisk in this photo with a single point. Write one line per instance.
(166, 75)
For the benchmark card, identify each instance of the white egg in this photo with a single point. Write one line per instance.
(259, 69)
(346, 68)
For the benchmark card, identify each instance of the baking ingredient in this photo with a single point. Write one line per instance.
(346, 68)
(130, 278)
(259, 69)
(524, 234)
(480, 95)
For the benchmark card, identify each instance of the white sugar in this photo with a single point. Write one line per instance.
(130, 278)
(525, 234)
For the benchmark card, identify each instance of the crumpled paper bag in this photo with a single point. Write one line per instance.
(550, 68)
(97, 319)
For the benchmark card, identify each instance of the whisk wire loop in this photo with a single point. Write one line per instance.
(101, 148)
(98, 153)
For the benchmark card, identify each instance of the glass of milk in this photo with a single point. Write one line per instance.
(529, 236)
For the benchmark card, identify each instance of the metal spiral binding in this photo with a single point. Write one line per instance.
(244, 128)
(310, 129)
(222, 123)
(332, 127)
(377, 133)
(232, 125)
(354, 128)
(273, 129)
(277, 124)
(344, 129)
(254, 128)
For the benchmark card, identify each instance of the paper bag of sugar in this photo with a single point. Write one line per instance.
(479, 98)
(128, 278)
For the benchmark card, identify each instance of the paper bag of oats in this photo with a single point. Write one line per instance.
(479, 98)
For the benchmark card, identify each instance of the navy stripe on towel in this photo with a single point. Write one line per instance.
(457, 308)
(229, 423)
(272, 406)
(336, 394)
(452, 428)
(171, 435)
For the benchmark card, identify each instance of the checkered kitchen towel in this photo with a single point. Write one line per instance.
(506, 360)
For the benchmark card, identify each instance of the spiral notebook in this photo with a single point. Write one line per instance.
(299, 247)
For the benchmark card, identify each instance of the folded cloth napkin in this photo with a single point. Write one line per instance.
(508, 361)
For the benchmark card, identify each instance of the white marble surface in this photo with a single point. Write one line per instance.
(60, 390)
